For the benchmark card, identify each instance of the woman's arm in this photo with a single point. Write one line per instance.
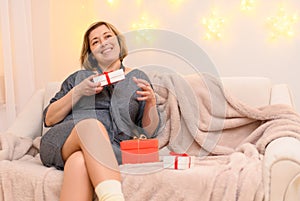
(59, 109)
(150, 118)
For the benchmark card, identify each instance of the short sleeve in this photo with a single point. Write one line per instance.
(66, 86)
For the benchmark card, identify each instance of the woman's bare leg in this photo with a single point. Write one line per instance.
(76, 183)
(90, 137)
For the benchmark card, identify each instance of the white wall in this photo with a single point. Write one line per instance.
(41, 41)
(244, 50)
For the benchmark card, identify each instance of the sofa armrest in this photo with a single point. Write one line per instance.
(281, 94)
(281, 166)
(30, 120)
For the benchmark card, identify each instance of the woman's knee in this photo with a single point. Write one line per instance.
(76, 160)
(90, 125)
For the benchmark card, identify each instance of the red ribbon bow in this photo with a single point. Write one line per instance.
(107, 77)
(176, 158)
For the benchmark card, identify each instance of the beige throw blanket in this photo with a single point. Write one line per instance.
(229, 137)
(201, 117)
(22, 175)
(198, 118)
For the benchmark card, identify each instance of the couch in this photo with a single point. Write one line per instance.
(24, 178)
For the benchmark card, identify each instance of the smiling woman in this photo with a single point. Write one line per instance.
(85, 135)
(102, 38)
(104, 46)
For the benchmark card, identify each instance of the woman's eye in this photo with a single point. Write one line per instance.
(108, 36)
(95, 42)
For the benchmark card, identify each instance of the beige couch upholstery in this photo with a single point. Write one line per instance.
(281, 164)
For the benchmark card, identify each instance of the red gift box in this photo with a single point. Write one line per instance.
(139, 151)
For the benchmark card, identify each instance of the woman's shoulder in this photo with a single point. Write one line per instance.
(82, 72)
(79, 73)
(135, 72)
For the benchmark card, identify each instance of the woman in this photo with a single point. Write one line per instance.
(89, 120)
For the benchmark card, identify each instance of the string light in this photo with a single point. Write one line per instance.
(213, 25)
(139, 2)
(142, 25)
(176, 2)
(112, 2)
(282, 23)
(247, 5)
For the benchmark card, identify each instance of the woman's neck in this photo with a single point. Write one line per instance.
(112, 67)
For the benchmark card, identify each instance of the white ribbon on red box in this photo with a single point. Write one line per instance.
(178, 161)
(108, 78)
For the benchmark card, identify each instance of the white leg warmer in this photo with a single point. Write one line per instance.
(109, 190)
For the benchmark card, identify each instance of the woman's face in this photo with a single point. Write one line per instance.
(104, 46)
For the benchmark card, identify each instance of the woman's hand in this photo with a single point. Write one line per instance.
(150, 119)
(87, 87)
(147, 94)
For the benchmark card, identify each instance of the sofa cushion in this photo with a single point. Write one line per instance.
(254, 91)
(281, 94)
(29, 121)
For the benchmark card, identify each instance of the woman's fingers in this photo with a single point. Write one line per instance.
(87, 87)
(147, 93)
(141, 83)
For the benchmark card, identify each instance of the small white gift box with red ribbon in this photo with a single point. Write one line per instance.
(108, 78)
(178, 161)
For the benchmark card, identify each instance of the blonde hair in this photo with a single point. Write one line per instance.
(87, 61)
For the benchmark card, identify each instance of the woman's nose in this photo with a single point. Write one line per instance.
(103, 42)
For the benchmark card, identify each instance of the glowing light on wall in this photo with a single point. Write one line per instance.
(112, 2)
(176, 2)
(139, 2)
(142, 25)
(247, 5)
(282, 23)
(214, 25)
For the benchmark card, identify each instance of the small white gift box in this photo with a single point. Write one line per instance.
(178, 161)
(108, 78)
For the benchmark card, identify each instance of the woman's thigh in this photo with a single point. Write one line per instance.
(82, 130)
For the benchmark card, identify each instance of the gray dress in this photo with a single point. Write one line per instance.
(116, 107)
